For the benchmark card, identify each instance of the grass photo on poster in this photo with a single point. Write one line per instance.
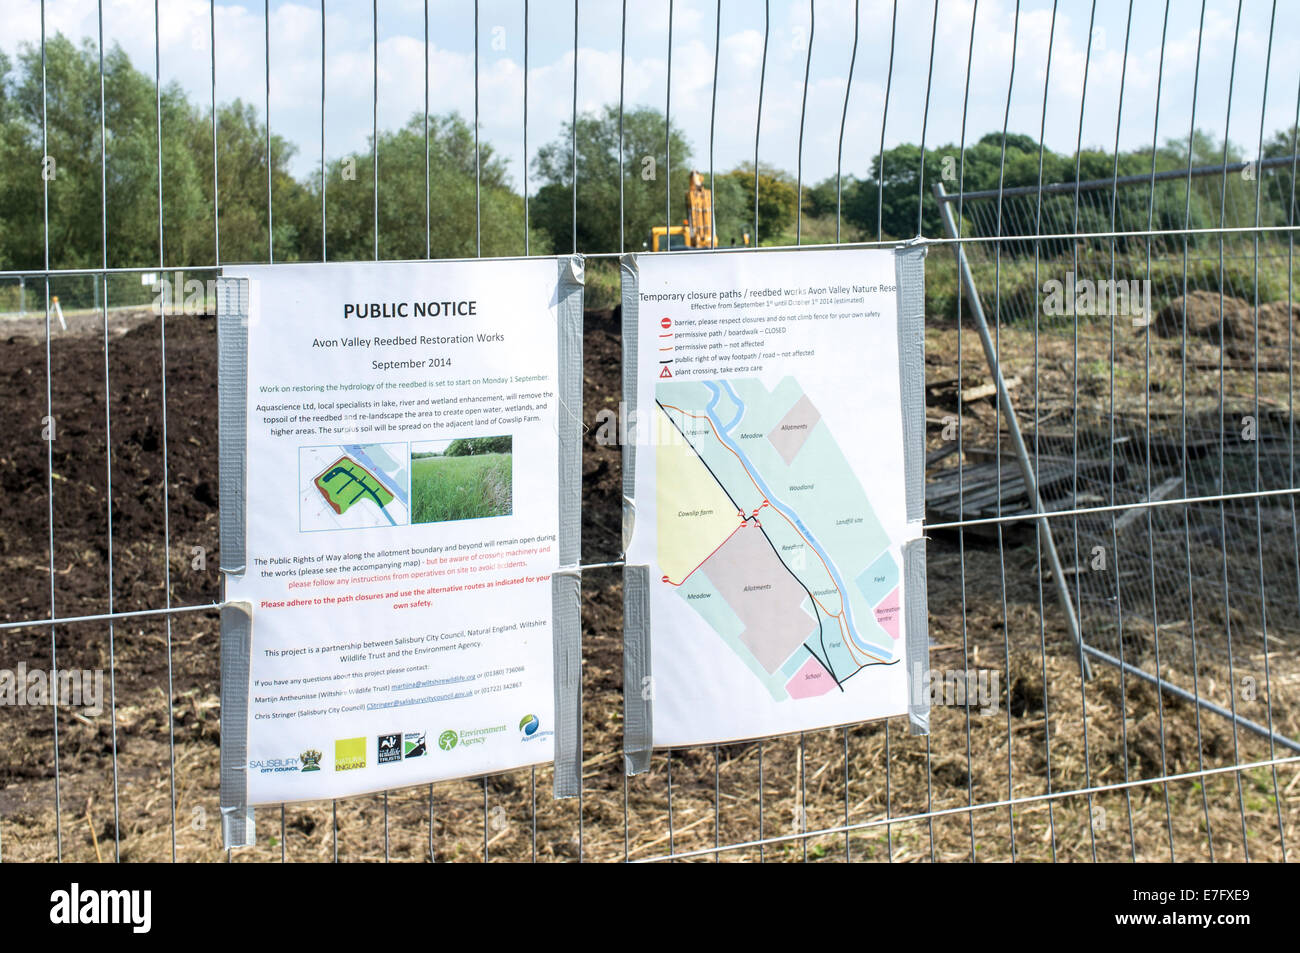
(462, 479)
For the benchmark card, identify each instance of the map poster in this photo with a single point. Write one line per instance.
(769, 499)
(393, 531)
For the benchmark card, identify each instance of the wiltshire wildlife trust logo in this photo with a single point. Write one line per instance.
(349, 754)
(390, 749)
(76, 906)
(311, 759)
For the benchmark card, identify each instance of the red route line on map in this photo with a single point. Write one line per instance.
(705, 559)
(838, 616)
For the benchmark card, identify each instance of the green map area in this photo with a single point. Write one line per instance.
(345, 481)
(767, 534)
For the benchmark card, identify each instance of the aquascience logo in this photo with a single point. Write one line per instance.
(530, 729)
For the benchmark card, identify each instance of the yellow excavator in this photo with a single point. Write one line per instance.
(695, 231)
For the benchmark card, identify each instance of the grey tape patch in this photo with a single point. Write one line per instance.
(232, 396)
(566, 633)
(909, 267)
(638, 680)
(916, 621)
(569, 324)
(566, 613)
(631, 299)
(237, 827)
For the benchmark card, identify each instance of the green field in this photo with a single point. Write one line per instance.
(460, 488)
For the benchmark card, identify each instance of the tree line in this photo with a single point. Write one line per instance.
(472, 203)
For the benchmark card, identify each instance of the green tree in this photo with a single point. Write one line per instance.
(67, 131)
(777, 200)
(647, 186)
(452, 214)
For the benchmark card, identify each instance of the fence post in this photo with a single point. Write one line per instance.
(1013, 426)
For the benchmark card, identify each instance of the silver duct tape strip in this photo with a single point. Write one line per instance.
(638, 680)
(916, 621)
(237, 827)
(566, 611)
(909, 266)
(232, 396)
(569, 325)
(630, 285)
(566, 632)
(638, 683)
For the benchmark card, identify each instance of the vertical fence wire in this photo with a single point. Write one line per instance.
(166, 487)
(49, 422)
(961, 495)
(108, 433)
(1114, 530)
(1083, 694)
(1259, 516)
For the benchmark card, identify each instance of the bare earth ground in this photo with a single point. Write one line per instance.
(1037, 740)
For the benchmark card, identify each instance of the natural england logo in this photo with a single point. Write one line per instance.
(349, 754)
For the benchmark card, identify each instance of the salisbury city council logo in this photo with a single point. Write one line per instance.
(310, 759)
(528, 725)
(447, 740)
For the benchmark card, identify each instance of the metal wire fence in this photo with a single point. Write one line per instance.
(1131, 699)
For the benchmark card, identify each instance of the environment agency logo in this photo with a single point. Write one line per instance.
(528, 725)
(349, 754)
(448, 740)
(311, 759)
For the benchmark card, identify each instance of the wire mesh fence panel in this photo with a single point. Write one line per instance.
(1114, 570)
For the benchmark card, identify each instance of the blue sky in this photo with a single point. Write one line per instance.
(295, 70)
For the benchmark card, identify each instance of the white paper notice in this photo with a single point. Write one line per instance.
(770, 492)
(402, 518)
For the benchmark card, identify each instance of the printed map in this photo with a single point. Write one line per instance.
(353, 486)
(765, 531)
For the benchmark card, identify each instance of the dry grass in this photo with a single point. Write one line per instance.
(861, 775)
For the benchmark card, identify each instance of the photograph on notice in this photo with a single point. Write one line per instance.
(466, 478)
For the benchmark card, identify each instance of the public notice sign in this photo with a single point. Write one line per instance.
(772, 564)
(391, 519)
